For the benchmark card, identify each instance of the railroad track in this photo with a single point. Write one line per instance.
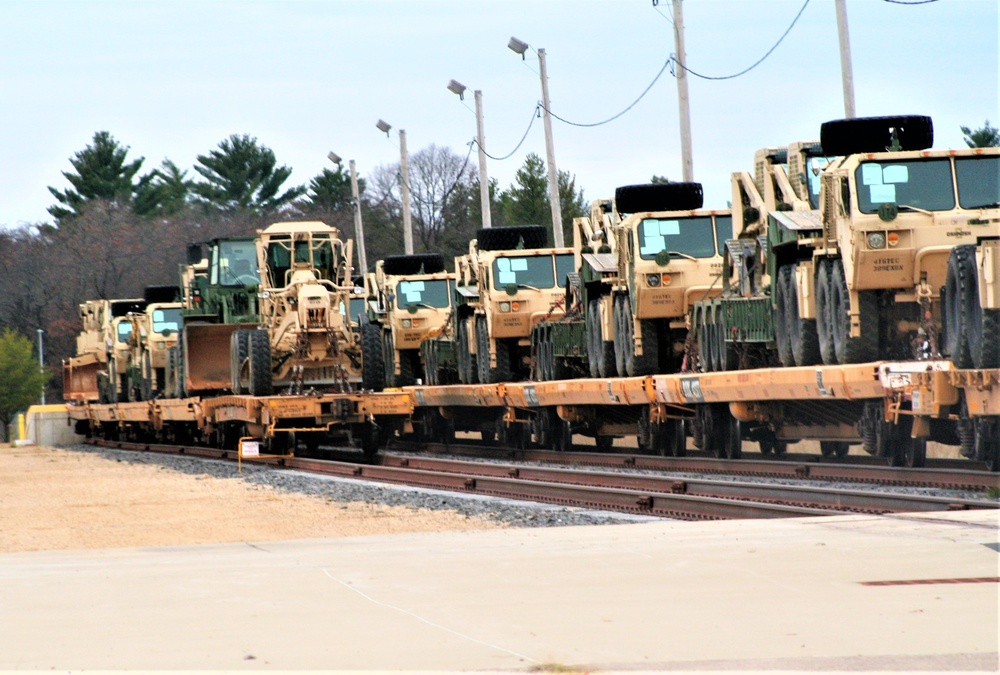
(644, 494)
(945, 474)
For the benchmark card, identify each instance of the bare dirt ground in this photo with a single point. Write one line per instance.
(59, 499)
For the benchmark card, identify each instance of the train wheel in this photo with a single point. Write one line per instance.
(369, 436)
(604, 443)
(914, 451)
(834, 448)
(865, 347)
(987, 441)
(562, 434)
(259, 345)
(674, 441)
(733, 440)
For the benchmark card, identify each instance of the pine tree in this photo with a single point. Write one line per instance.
(101, 173)
(243, 175)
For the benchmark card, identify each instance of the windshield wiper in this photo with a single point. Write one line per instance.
(419, 304)
(682, 255)
(914, 208)
(529, 287)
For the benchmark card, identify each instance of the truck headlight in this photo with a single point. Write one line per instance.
(652, 280)
(407, 323)
(504, 306)
(876, 240)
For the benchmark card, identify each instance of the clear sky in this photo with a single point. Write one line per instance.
(171, 79)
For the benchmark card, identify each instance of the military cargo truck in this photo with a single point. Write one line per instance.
(509, 281)
(641, 261)
(153, 332)
(84, 373)
(411, 299)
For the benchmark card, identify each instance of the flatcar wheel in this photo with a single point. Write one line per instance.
(987, 441)
(914, 452)
(604, 443)
(834, 448)
(562, 434)
(734, 435)
(674, 439)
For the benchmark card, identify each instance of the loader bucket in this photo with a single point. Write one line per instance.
(206, 357)
(80, 378)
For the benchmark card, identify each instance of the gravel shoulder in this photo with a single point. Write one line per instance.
(86, 497)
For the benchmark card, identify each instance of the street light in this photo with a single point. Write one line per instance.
(404, 174)
(519, 47)
(359, 232)
(484, 179)
(41, 361)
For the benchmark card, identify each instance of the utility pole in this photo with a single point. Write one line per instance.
(405, 174)
(687, 169)
(41, 361)
(846, 70)
(484, 179)
(550, 155)
(359, 231)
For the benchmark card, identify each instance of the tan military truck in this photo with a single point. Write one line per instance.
(84, 372)
(411, 298)
(154, 331)
(643, 260)
(892, 214)
(306, 338)
(508, 282)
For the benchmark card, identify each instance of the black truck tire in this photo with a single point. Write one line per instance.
(874, 134)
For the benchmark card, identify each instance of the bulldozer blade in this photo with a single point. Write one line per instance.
(80, 378)
(207, 365)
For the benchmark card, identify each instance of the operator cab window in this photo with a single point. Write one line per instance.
(680, 237)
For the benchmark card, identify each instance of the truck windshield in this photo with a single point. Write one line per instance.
(430, 292)
(357, 309)
(564, 267)
(723, 231)
(525, 270)
(124, 331)
(692, 236)
(234, 263)
(978, 182)
(814, 169)
(166, 320)
(923, 183)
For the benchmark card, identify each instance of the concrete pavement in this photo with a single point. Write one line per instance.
(734, 595)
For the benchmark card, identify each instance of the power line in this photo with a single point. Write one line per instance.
(534, 113)
(912, 2)
(761, 60)
(611, 119)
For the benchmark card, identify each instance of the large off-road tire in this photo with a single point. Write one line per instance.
(782, 320)
(961, 272)
(620, 336)
(261, 383)
(372, 366)
(981, 326)
(510, 238)
(239, 352)
(824, 313)
(409, 368)
(847, 349)
(659, 197)
(649, 362)
(147, 381)
(726, 357)
(801, 332)
(468, 369)
(502, 372)
(389, 358)
(874, 134)
(600, 352)
(419, 263)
